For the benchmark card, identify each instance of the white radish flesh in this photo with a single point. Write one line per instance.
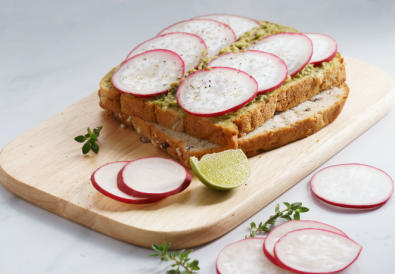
(246, 256)
(324, 48)
(316, 251)
(215, 34)
(238, 24)
(188, 46)
(289, 226)
(267, 69)
(352, 186)
(153, 177)
(294, 48)
(104, 179)
(149, 73)
(216, 91)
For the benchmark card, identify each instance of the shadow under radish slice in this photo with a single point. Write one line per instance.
(316, 251)
(216, 91)
(153, 177)
(239, 24)
(281, 230)
(267, 69)
(295, 49)
(104, 179)
(246, 256)
(352, 186)
(324, 48)
(149, 73)
(215, 34)
(188, 46)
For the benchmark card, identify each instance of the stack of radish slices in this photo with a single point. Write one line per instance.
(142, 181)
(293, 247)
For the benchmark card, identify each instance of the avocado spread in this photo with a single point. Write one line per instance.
(168, 100)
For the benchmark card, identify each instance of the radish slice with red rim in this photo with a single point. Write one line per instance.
(239, 24)
(149, 73)
(215, 34)
(104, 179)
(246, 256)
(324, 48)
(295, 49)
(188, 46)
(281, 230)
(153, 177)
(216, 91)
(352, 186)
(314, 250)
(267, 69)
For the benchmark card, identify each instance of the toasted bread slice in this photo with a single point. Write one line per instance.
(285, 127)
(225, 131)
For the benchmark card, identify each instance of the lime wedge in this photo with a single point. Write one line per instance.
(224, 170)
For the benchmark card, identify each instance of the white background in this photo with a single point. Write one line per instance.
(54, 53)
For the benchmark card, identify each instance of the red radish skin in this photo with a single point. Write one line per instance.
(313, 224)
(172, 34)
(166, 53)
(131, 200)
(283, 265)
(213, 49)
(352, 205)
(330, 55)
(130, 191)
(260, 91)
(286, 35)
(219, 113)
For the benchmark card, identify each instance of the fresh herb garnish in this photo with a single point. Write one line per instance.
(91, 140)
(181, 259)
(295, 209)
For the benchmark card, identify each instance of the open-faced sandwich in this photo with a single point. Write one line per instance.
(220, 82)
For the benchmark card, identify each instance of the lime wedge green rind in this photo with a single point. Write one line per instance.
(224, 170)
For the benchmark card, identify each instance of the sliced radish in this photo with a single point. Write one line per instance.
(153, 177)
(295, 49)
(149, 73)
(104, 179)
(216, 91)
(283, 229)
(238, 24)
(352, 186)
(215, 34)
(314, 250)
(267, 69)
(324, 48)
(246, 256)
(188, 46)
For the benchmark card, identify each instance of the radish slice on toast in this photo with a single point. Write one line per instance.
(215, 34)
(352, 186)
(216, 91)
(283, 229)
(149, 73)
(239, 24)
(153, 177)
(314, 250)
(188, 46)
(104, 179)
(246, 256)
(324, 48)
(295, 49)
(267, 69)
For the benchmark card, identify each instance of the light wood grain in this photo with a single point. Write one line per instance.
(45, 167)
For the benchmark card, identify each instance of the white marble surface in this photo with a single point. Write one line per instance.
(54, 53)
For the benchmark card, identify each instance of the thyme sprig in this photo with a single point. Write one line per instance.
(295, 209)
(181, 259)
(91, 140)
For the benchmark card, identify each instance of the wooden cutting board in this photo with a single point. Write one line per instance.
(45, 167)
